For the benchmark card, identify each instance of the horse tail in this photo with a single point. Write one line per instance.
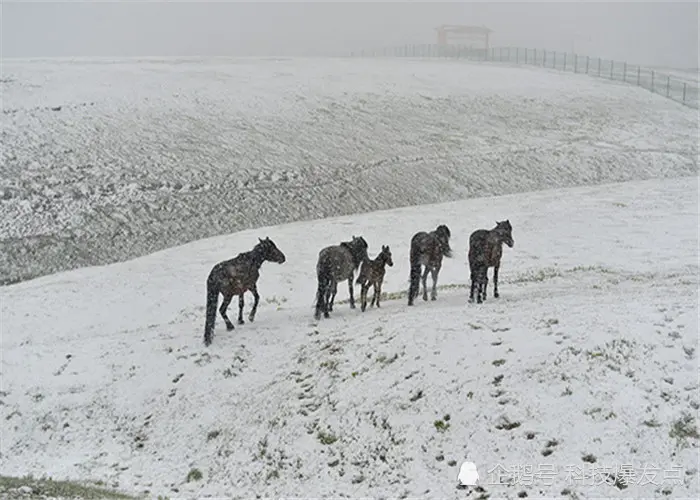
(414, 276)
(362, 275)
(212, 302)
(323, 284)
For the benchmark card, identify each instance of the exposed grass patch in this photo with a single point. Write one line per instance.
(442, 425)
(326, 438)
(684, 429)
(194, 475)
(66, 489)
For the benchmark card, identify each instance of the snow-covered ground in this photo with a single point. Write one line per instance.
(104, 160)
(586, 364)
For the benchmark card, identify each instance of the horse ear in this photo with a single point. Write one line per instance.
(260, 239)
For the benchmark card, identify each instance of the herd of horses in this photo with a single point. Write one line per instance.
(339, 262)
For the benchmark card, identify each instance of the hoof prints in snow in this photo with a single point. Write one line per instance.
(586, 361)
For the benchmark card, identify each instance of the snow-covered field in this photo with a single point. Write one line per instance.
(580, 380)
(104, 160)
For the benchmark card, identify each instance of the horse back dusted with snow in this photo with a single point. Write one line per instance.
(337, 263)
(235, 277)
(486, 250)
(427, 249)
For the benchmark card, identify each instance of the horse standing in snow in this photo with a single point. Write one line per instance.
(372, 274)
(486, 250)
(235, 277)
(427, 249)
(337, 263)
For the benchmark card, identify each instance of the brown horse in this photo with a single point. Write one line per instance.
(336, 263)
(235, 277)
(486, 250)
(372, 274)
(427, 249)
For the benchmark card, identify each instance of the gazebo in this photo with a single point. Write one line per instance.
(462, 32)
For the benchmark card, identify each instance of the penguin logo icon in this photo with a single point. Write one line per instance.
(468, 475)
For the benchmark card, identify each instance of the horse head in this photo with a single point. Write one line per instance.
(504, 231)
(443, 235)
(358, 247)
(270, 251)
(386, 255)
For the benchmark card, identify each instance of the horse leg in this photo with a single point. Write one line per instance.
(424, 280)
(495, 280)
(332, 291)
(330, 296)
(377, 291)
(472, 288)
(256, 297)
(222, 310)
(483, 284)
(374, 295)
(241, 303)
(352, 291)
(435, 272)
(363, 296)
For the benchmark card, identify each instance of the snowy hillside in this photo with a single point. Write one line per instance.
(587, 364)
(105, 160)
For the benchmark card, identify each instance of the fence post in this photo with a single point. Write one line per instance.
(575, 63)
(652, 80)
(624, 72)
(612, 66)
(685, 86)
(544, 59)
(564, 61)
(599, 64)
(639, 75)
(588, 62)
(668, 86)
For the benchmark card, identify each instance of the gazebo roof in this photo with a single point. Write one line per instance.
(459, 28)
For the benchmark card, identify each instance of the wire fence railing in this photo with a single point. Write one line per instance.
(681, 87)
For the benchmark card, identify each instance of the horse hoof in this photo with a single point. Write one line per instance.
(251, 318)
(433, 298)
(241, 322)
(496, 295)
(326, 315)
(229, 327)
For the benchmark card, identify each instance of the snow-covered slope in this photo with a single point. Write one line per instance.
(106, 160)
(587, 364)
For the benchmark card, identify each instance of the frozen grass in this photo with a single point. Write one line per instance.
(585, 367)
(106, 160)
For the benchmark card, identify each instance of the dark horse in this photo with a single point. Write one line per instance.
(337, 263)
(428, 249)
(235, 277)
(372, 274)
(485, 250)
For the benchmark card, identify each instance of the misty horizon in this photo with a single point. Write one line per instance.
(649, 33)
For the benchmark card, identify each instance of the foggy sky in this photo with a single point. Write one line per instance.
(662, 33)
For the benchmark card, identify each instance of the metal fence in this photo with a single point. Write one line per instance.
(676, 87)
